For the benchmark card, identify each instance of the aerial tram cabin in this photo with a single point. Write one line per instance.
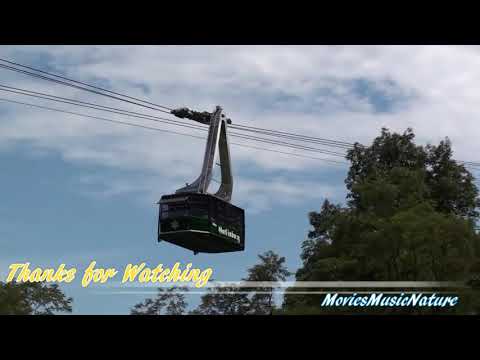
(201, 223)
(197, 220)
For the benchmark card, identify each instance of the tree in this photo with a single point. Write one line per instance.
(453, 190)
(223, 301)
(271, 268)
(32, 299)
(167, 302)
(410, 215)
(232, 301)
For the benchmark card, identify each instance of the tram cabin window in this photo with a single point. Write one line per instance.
(198, 207)
(174, 210)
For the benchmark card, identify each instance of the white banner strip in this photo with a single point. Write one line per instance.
(150, 292)
(297, 284)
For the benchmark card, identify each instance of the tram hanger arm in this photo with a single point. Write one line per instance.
(201, 117)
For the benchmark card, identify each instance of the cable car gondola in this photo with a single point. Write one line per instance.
(197, 220)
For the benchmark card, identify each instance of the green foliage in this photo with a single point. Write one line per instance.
(167, 302)
(234, 301)
(271, 268)
(410, 216)
(32, 299)
(223, 301)
(451, 185)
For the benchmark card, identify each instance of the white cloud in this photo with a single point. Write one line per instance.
(303, 89)
(263, 195)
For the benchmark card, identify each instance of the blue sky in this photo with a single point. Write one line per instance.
(75, 190)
